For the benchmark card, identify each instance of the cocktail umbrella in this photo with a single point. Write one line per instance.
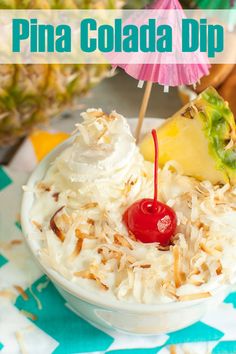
(162, 73)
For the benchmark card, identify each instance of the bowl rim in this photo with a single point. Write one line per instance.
(72, 288)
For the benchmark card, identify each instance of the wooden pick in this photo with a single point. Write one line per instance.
(143, 109)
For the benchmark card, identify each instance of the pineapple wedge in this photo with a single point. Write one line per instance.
(201, 137)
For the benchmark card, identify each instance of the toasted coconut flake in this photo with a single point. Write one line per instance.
(219, 270)
(16, 242)
(82, 235)
(29, 315)
(100, 250)
(195, 271)
(78, 248)
(89, 206)
(111, 116)
(66, 220)
(97, 114)
(163, 248)
(37, 225)
(121, 240)
(7, 294)
(132, 236)
(21, 291)
(54, 227)
(85, 274)
(145, 266)
(103, 258)
(196, 296)
(56, 196)
(117, 256)
(218, 248)
(196, 282)
(101, 284)
(201, 225)
(131, 259)
(90, 221)
(204, 267)
(44, 187)
(207, 250)
(177, 274)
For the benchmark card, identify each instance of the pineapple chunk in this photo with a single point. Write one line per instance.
(201, 138)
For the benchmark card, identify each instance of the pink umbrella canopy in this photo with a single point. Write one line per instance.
(165, 5)
(168, 74)
(159, 69)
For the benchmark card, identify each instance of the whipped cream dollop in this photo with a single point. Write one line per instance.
(102, 158)
(104, 148)
(77, 218)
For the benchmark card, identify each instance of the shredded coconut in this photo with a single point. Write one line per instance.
(97, 252)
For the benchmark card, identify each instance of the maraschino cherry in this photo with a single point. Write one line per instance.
(148, 219)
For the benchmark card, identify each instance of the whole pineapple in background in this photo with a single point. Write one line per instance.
(31, 94)
(201, 137)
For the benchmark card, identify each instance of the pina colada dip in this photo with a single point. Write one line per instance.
(77, 217)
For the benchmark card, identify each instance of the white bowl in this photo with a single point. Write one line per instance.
(129, 318)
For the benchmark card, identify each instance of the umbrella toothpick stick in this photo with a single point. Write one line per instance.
(143, 109)
(159, 71)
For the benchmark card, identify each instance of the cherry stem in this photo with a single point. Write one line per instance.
(154, 135)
